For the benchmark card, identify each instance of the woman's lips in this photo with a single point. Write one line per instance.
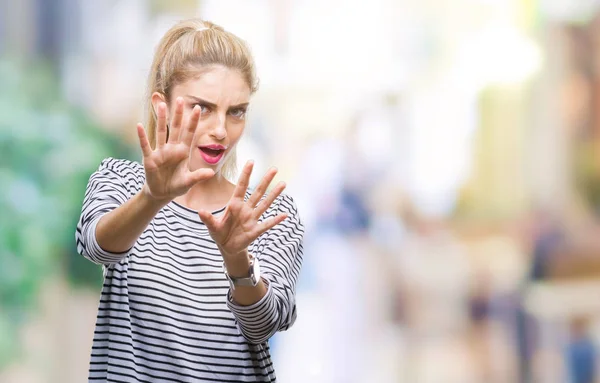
(212, 154)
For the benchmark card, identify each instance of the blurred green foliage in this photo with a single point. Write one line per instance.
(48, 150)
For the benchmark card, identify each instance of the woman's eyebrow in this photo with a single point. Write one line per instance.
(213, 105)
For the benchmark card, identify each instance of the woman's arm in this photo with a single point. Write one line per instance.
(118, 230)
(113, 186)
(274, 236)
(280, 256)
(122, 197)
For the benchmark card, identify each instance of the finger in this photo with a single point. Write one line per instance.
(161, 125)
(144, 144)
(188, 133)
(261, 189)
(176, 123)
(270, 223)
(208, 219)
(199, 175)
(244, 180)
(262, 207)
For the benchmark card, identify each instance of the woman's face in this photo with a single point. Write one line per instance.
(223, 96)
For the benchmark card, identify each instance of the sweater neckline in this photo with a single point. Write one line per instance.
(190, 214)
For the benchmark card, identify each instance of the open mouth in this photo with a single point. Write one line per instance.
(212, 154)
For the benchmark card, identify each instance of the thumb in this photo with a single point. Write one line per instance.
(208, 219)
(199, 175)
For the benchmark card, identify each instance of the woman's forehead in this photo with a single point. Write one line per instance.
(216, 84)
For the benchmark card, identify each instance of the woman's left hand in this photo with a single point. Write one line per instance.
(238, 226)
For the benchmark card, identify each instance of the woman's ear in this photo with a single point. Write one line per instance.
(156, 99)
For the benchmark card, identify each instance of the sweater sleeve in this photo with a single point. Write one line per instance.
(115, 182)
(279, 252)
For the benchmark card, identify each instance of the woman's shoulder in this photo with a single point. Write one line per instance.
(130, 172)
(122, 167)
(286, 204)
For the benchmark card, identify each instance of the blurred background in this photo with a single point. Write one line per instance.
(444, 156)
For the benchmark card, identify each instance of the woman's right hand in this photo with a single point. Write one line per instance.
(167, 166)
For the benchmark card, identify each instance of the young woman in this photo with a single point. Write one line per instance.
(199, 272)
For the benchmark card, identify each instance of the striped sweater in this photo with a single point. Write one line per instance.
(166, 312)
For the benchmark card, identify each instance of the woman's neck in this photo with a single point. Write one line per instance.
(209, 195)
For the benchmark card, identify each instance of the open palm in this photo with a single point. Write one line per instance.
(167, 165)
(238, 226)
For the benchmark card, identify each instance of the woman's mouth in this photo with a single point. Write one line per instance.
(212, 154)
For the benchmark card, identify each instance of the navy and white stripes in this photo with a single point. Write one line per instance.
(165, 311)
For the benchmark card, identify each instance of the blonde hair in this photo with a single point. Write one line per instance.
(185, 51)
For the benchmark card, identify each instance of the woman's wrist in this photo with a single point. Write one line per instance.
(237, 265)
(147, 200)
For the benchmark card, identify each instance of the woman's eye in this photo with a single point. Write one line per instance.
(203, 108)
(238, 113)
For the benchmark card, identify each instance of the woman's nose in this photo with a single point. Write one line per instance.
(219, 131)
